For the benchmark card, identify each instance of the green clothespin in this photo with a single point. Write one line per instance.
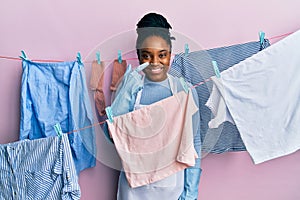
(98, 57)
(186, 49)
(58, 130)
(119, 56)
(184, 85)
(109, 114)
(79, 58)
(261, 37)
(216, 69)
(23, 56)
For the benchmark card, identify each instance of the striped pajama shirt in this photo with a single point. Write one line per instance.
(38, 169)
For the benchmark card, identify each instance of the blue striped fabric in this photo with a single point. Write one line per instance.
(196, 67)
(41, 169)
(54, 93)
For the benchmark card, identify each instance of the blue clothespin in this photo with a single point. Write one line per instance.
(184, 85)
(119, 56)
(98, 57)
(109, 114)
(186, 49)
(261, 37)
(216, 69)
(58, 130)
(23, 56)
(79, 58)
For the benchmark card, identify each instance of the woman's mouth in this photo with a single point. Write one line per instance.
(156, 70)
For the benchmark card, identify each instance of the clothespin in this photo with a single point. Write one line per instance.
(109, 114)
(58, 130)
(261, 37)
(79, 58)
(23, 56)
(184, 84)
(216, 69)
(98, 57)
(119, 56)
(186, 49)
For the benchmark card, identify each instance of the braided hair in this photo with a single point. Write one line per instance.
(153, 24)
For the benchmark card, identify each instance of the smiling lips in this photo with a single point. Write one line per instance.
(157, 70)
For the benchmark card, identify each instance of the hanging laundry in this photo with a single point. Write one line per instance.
(171, 187)
(117, 74)
(262, 95)
(136, 135)
(97, 75)
(38, 169)
(54, 93)
(96, 82)
(218, 107)
(131, 83)
(196, 67)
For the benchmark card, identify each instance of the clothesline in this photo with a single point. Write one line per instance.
(102, 122)
(194, 86)
(279, 36)
(135, 58)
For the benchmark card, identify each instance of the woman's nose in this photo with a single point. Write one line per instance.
(155, 60)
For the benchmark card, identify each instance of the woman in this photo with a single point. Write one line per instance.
(154, 47)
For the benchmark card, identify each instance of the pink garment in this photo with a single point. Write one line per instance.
(97, 75)
(117, 74)
(156, 141)
(96, 83)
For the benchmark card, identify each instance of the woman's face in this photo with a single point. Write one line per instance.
(156, 51)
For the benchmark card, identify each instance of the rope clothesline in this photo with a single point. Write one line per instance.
(43, 60)
(280, 36)
(194, 86)
(102, 122)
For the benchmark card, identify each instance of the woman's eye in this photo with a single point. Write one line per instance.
(145, 56)
(162, 55)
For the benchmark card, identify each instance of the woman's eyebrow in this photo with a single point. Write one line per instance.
(145, 51)
(163, 50)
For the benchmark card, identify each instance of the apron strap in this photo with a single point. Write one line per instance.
(173, 88)
(138, 96)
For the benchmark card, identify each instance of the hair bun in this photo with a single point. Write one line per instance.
(153, 20)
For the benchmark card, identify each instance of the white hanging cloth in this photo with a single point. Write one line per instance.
(262, 94)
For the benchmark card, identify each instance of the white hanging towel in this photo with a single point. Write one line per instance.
(262, 95)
